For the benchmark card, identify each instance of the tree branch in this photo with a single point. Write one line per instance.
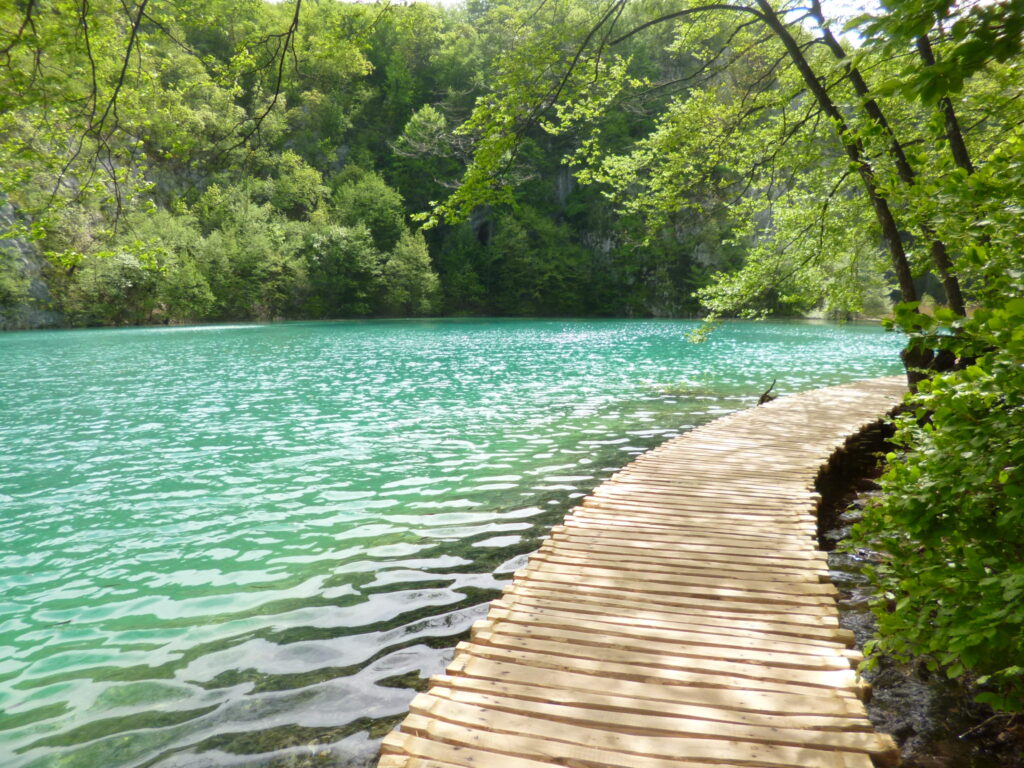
(683, 14)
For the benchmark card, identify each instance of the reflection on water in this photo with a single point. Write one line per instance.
(249, 545)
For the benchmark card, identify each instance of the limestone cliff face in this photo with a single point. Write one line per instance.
(35, 312)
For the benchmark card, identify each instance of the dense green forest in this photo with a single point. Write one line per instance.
(234, 159)
(237, 159)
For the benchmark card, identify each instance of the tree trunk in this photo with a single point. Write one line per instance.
(939, 253)
(912, 358)
(954, 135)
(854, 151)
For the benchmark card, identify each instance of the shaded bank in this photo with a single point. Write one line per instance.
(933, 719)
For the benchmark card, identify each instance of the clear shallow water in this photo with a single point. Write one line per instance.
(246, 545)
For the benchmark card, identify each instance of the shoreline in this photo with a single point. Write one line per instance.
(934, 720)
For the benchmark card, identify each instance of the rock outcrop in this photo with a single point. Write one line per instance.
(35, 310)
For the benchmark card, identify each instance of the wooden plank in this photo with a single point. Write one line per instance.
(678, 461)
(666, 527)
(688, 458)
(764, 534)
(712, 562)
(567, 556)
(749, 506)
(614, 521)
(690, 449)
(407, 761)
(755, 508)
(627, 550)
(749, 665)
(625, 666)
(684, 549)
(681, 618)
(562, 690)
(668, 535)
(710, 636)
(805, 615)
(712, 580)
(705, 653)
(717, 492)
(572, 711)
(802, 544)
(795, 557)
(431, 753)
(721, 485)
(846, 712)
(767, 532)
(733, 498)
(535, 737)
(816, 605)
(776, 528)
(482, 753)
(688, 462)
(760, 511)
(764, 442)
(796, 489)
(720, 489)
(703, 443)
(782, 519)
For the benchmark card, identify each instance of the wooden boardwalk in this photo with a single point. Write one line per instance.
(681, 617)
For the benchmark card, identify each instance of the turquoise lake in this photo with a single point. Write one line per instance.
(246, 545)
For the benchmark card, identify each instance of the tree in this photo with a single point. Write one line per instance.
(791, 93)
(954, 494)
(13, 284)
(344, 271)
(250, 255)
(408, 282)
(113, 289)
(364, 197)
(79, 78)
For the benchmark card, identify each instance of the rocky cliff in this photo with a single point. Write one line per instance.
(28, 303)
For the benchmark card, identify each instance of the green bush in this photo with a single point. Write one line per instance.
(183, 292)
(344, 269)
(365, 198)
(952, 515)
(173, 244)
(111, 289)
(251, 257)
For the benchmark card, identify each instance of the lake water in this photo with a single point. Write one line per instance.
(247, 545)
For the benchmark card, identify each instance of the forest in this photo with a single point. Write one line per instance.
(240, 160)
(210, 160)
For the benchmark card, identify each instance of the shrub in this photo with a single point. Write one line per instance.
(952, 515)
(111, 289)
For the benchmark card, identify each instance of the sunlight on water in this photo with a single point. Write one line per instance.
(245, 545)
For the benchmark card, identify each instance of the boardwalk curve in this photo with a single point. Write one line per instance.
(681, 617)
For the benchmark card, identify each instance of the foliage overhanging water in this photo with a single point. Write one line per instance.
(242, 545)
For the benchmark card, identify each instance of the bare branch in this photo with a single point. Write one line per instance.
(684, 13)
(28, 21)
(285, 45)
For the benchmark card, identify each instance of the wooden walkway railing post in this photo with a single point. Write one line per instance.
(681, 617)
